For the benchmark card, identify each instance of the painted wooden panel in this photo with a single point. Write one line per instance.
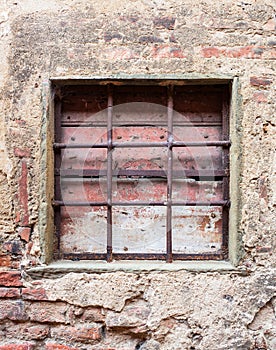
(142, 230)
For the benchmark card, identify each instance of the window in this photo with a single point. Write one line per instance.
(142, 170)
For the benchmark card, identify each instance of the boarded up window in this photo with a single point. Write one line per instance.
(141, 170)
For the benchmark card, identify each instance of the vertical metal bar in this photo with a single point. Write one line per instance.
(169, 177)
(57, 165)
(109, 172)
(225, 163)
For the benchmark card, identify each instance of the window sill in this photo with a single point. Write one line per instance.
(62, 267)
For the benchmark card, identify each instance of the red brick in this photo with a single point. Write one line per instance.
(167, 52)
(255, 81)
(92, 315)
(243, 52)
(209, 52)
(12, 310)
(10, 279)
(9, 293)
(260, 97)
(28, 331)
(13, 247)
(250, 52)
(23, 194)
(164, 22)
(5, 260)
(54, 346)
(34, 294)
(24, 233)
(47, 312)
(262, 185)
(270, 24)
(264, 249)
(81, 334)
(17, 347)
(22, 152)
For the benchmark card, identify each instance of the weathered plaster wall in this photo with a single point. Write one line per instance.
(151, 309)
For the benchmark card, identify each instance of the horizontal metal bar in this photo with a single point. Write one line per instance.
(120, 124)
(141, 256)
(201, 144)
(78, 204)
(136, 203)
(144, 144)
(185, 173)
(71, 145)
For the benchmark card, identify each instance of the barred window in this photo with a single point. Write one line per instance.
(142, 170)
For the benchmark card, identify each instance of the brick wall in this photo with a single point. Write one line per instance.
(129, 309)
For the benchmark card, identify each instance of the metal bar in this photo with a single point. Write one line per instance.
(225, 203)
(146, 123)
(109, 172)
(141, 256)
(57, 164)
(185, 173)
(57, 203)
(225, 143)
(169, 175)
(71, 145)
(225, 163)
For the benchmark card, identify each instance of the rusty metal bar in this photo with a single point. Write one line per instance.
(57, 161)
(109, 172)
(79, 145)
(225, 143)
(181, 174)
(146, 123)
(225, 163)
(141, 256)
(169, 175)
(136, 203)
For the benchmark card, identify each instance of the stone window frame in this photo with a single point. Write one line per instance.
(46, 215)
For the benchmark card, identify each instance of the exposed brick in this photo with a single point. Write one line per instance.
(22, 152)
(5, 260)
(92, 315)
(255, 81)
(12, 310)
(23, 194)
(264, 249)
(17, 347)
(253, 52)
(10, 279)
(47, 312)
(13, 247)
(109, 37)
(270, 25)
(54, 346)
(263, 188)
(9, 293)
(24, 233)
(164, 22)
(167, 52)
(81, 334)
(28, 331)
(209, 52)
(150, 39)
(260, 97)
(34, 294)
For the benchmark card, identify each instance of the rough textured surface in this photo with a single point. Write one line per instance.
(130, 310)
